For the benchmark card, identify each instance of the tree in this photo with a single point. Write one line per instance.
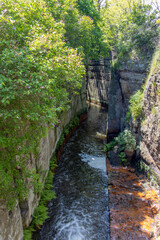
(38, 75)
(129, 25)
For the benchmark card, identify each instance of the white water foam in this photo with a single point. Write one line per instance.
(71, 230)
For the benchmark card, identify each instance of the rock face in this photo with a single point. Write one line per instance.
(12, 222)
(150, 127)
(99, 75)
(124, 83)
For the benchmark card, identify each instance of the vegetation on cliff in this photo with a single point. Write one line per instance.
(43, 45)
(131, 29)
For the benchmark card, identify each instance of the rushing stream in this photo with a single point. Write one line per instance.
(80, 211)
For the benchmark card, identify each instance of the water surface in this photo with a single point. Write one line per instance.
(80, 211)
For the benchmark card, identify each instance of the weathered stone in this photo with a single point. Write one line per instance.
(128, 79)
(115, 109)
(129, 154)
(10, 223)
(99, 75)
(150, 127)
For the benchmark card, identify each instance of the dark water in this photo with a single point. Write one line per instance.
(80, 211)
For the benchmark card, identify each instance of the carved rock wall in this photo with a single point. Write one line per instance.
(99, 75)
(124, 83)
(150, 127)
(11, 227)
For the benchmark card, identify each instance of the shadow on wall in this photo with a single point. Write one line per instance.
(98, 81)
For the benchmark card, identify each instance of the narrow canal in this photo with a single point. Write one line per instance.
(80, 211)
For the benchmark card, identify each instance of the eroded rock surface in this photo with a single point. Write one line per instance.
(126, 81)
(150, 127)
(98, 81)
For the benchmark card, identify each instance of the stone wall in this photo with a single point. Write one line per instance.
(12, 222)
(150, 126)
(98, 80)
(126, 80)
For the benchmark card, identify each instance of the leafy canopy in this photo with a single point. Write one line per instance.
(130, 26)
(38, 75)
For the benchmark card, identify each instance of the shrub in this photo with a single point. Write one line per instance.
(109, 146)
(39, 216)
(126, 140)
(39, 74)
(28, 233)
(123, 158)
(135, 107)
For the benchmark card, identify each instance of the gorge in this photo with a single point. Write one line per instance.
(62, 61)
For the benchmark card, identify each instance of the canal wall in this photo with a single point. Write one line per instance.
(12, 222)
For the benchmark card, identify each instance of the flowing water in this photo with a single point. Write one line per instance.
(80, 211)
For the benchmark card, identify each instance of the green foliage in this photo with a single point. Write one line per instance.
(66, 131)
(39, 74)
(53, 162)
(39, 216)
(28, 233)
(126, 140)
(153, 110)
(123, 158)
(88, 8)
(155, 64)
(81, 23)
(48, 192)
(61, 140)
(135, 107)
(40, 213)
(130, 26)
(109, 146)
(128, 116)
(76, 121)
